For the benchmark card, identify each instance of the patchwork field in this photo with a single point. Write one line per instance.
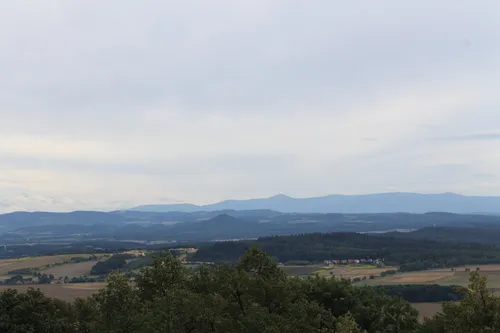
(71, 270)
(445, 277)
(59, 265)
(7, 265)
(344, 271)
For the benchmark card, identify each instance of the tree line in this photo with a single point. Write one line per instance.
(428, 293)
(409, 254)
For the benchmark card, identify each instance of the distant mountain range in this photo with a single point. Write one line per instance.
(278, 215)
(39, 227)
(350, 204)
(78, 226)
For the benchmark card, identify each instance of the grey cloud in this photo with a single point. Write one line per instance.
(92, 72)
(267, 61)
(222, 163)
(449, 167)
(472, 137)
(484, 176)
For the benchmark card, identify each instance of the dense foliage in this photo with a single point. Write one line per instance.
(409, 254)
(479, 235)
(115, 262)
(21, 271)
(90, 247)
(124, 263)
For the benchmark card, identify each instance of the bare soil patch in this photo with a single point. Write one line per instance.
(427, 310)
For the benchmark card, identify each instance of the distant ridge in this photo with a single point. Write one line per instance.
(355, 204)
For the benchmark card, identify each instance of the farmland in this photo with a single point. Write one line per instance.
(57, 265)
(444, 277)
(341, 271)
(65, 292)
(60, 266)
(71, 270)
(7, 265)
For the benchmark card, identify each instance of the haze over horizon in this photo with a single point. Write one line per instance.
(114, 104)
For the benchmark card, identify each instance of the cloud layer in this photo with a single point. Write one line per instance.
(109, 104)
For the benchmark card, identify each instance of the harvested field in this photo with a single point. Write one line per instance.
(442, 276)
(31, 262)
(7, 265)
(65, 292)
(427, 277)
(71, 270)
(419, 278)
(85, 286)
(426, 310)
(353, 271)
(488, 268)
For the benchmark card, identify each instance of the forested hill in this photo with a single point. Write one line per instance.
(410, 254)
(484, 235)
(207, 226)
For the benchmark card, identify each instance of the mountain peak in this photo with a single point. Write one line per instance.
(280, 196)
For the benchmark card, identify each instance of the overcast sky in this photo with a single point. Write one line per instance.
(109, 104)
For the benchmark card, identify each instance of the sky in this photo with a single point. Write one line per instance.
(112, 104)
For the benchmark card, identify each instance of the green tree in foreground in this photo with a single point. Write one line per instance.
(477, 312)
(252, 296)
